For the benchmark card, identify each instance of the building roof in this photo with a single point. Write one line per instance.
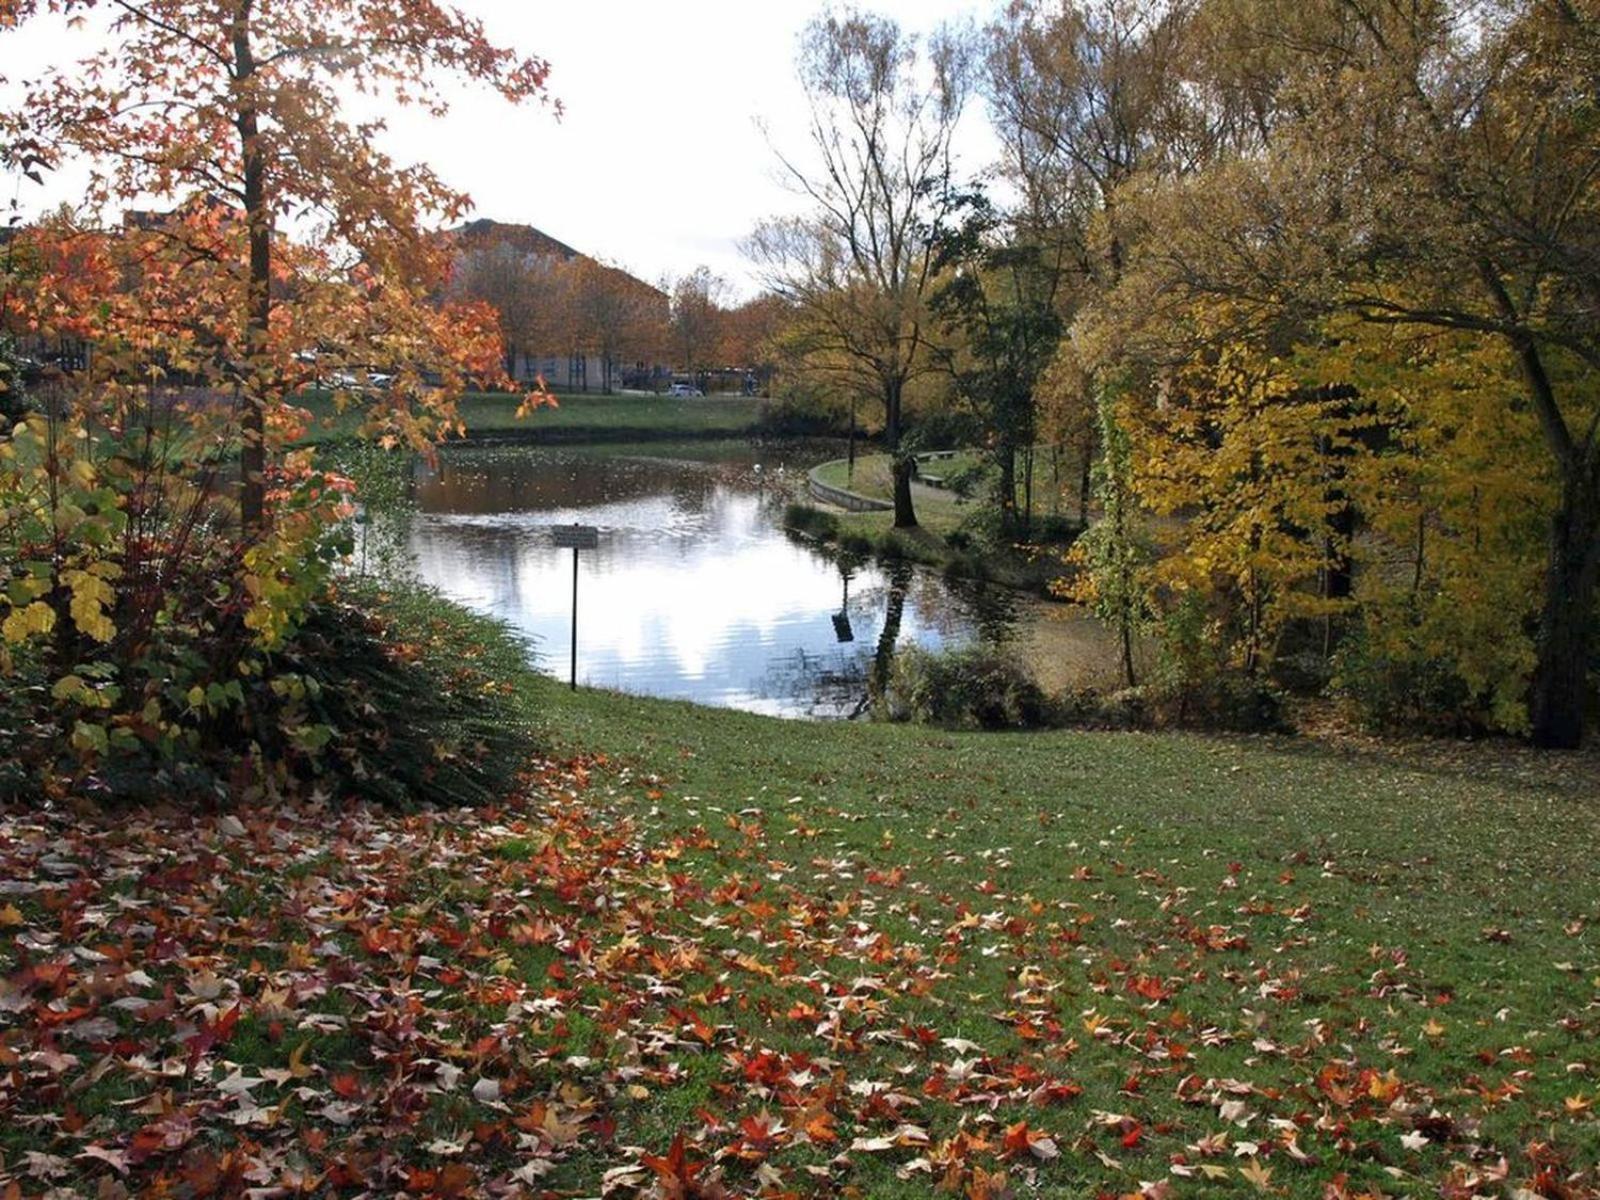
(477, 234)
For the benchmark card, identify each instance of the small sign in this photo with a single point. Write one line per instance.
(575, 537)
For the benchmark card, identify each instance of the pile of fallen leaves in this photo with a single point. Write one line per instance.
(562, 996)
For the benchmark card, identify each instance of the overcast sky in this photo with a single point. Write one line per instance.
(657, 162)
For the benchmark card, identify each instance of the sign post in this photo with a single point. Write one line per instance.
(577, 537)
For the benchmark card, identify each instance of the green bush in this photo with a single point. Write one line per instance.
(1398, 688)
(944, 429)
(393, 696)
(802, 415)
(978, 687)
(423, 702)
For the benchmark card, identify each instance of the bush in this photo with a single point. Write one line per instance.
(420, 699)
(1396, 689)
(978, 687)
(801, 415)
(1056, 529)
(13, 382)
(1229, 701)
(967, 480)
(944, 429)
(396, 697)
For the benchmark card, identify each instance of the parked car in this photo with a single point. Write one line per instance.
(684, 389)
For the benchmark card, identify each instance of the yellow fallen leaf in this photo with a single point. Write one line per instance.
(1259, 1176)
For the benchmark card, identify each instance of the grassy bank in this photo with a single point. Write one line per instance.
(704, 950)
(941, 539)
(577, 418)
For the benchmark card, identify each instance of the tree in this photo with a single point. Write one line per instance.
(1431, 166)
(234, 101)
(1115, 553)
(615, 315)
(515, 285)
(997, 306)
(858, 270)
(751, 333)
(696, 319)
(149, 587)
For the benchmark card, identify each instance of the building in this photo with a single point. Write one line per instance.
(569, 319)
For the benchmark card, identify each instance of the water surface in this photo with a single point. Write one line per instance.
(695, 592)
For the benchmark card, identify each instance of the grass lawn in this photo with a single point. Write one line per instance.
(576, 417)
(709, 950)
(940, 514)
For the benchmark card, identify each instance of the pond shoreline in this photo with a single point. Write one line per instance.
(696, 590)
(872, 533)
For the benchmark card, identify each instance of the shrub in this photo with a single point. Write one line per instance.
(1230, 701)
(978, 687)
(420, 699)
(968, 480)
(801, 415)
(944, 429)
(1056, 529)
(1395, 687)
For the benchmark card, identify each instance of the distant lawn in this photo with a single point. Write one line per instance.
(576, 415)
(945, 535)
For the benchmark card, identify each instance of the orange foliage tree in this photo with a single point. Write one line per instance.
(235, 102)
(161, 531)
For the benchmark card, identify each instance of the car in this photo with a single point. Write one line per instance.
(684, 389)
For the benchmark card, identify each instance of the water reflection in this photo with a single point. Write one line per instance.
(695, 591)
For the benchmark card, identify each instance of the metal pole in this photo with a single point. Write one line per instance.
(574, 682)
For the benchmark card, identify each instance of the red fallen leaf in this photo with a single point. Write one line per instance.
(49, 1018)
(1016, 1139)
(819, 1126)
(1149, 987)
(346, 1086)
(1132, 1138)
(986, 1185)
(678, 1177)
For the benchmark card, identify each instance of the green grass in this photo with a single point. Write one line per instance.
(1429, 909)
(578, 417)
(1160, 950)
(943, 537)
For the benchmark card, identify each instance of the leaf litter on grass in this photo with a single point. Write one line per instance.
(568, 996)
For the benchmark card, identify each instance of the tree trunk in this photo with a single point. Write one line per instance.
(1006, 487)
(1561, 678)
(889, 639)
(1128, 676)
(258, 216)
(905, 516)
(1085, 480)
(1027, 490)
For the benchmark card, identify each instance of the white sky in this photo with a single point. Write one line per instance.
(657, 163)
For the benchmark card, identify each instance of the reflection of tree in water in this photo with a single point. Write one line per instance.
(829, 684)
(900, 577)
(991, 611)
(841, 682)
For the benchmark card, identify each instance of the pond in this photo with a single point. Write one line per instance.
(696, 591)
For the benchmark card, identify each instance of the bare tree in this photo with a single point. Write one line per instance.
(859, 268)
